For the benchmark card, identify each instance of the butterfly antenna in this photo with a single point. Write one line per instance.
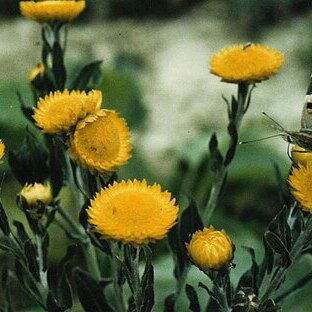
(262, 139)
(279, 126)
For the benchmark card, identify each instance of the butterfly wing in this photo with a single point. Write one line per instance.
(303, 138)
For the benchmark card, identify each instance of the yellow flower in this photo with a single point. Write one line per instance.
(101, 142)
(300, 155)
(300, 182)
(38, 70)
(37, 192)
(250, 63)
(210, 249)
(52, 11)
(60, 111)
(2, 148)
(132, 212)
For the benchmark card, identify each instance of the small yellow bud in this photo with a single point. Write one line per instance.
(210, 249)
(38, 70)
(300, 155)
(37, 192)
(2, 148)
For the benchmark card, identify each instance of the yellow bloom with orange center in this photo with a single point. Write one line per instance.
(52, 11)
(60, 111)
(2, 148)
(250, 63)
(132, 212)
(38, 70)
(210, 249)
(36, 193)
(101, 142)
(300, 155)
(300, 182)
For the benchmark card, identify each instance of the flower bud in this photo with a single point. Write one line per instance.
(36, 193)
(38, 70)
(210, 249)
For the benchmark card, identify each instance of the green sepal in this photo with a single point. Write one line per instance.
(278, 246)
(4, 223)
(193, 298)
(29, 162)
(89, 77)
(90, 292)
(147, 283)
(58, 67)
(6, 298)
(33, 221)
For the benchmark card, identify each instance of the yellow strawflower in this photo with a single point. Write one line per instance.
(36, 192)
(132, 212)
(2, 148)
(101, 142)
(38, 70)
(300, 182)
(210, 249)
(52, 11)
(250, 63)
(300, 155)
(60, 111)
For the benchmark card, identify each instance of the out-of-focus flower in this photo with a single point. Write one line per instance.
(132, 212)
(38, 70)
(300, 155)
(250, 63)
(101, 142)
(60, 111)
(52, 11)
(210, 249)
(36, 193)
(2, 148)
(300, 182)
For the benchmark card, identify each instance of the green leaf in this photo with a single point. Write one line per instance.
(22, 234)
(52, 305)
(64, 289)
(233, 143)
(147, 283)
(90, 292)
(4, 223)
(27, 111)
(58, 66)
(250, 277)
(6, 299)
(269, 306)
(88, 76)
(193, 298)
(277, 245)
(234, 108)
(170, 302)
(295, 288)
(216, 160)
(29, 162)
(32, 259)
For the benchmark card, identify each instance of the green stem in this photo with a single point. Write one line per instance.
(216, 188)
(295, 253)
(85, 242)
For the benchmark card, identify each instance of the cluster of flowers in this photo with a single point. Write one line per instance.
(99, 140)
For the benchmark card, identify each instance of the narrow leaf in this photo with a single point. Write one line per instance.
(193, 298)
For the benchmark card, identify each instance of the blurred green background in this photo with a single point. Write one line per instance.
(155, 73)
